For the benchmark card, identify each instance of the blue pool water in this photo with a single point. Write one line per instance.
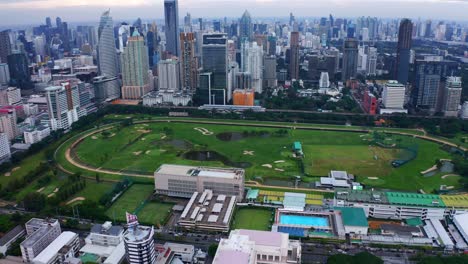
(303, 220)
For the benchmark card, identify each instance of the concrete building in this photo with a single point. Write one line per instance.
(36, 134)
(10, 96)
(171, 18)
(177, 253)
(5, 153)
(371, 68)
(461, 223)
(169, 75)
(243, 97)
(105, 241)
(452, 96)
(350, 59)
(269, 72)
(354, 220)
(40, 233)
(294, 56)
(8, 124)
(183, 181)
(4, 74)
(252, 63)
(135, 67)
(139, 245)
(63, 105)
(393, 96)
(11, 236)
(206, 212)
(189, 62)
(64, 246)
(251, 247)
(464, 110)
(215, 64)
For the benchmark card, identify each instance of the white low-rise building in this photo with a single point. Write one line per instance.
(64, 246)
(461, 223)
(37, 134)
(105, 241)
(250, 247)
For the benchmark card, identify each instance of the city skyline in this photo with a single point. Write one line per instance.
(34, 11)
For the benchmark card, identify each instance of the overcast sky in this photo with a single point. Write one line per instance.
(14, 12)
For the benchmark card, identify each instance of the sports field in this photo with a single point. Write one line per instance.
(133, 201)
(253, 218)
(263, 152)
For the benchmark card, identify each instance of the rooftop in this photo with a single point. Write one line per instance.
(264, 238)
(11, 234)
(107, 229)
(54, 247)
(191, 171)
(457, 201)
(415, 199)
(139, 234)
(353, 216)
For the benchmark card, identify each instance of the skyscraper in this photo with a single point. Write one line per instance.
(427, 84)
(19, 70)
(171, 15)
(252, 63)
(135, 67)
(428, 29)
(403, 50)
(245, 27)
(139, 245)
(189, 61)
(169, 75)
(372, 61)
(107, 56)
(350, 59)
(5, 45)
(63, 105)
(452, 96)
(152, 43)
(215, 61)
(48, 22)
(294, 56)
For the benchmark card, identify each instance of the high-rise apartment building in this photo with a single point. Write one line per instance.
(139, 245)
(188, 61)
(269, 72)
(135, 67)
(252, 63)
(350, 59)
(63, 105)
(294, 56)
(168, 75)
(427, 81)
(371, 68)
(5, 45)
(8, 124)
(4, 74)
(5, 153)
(107, 56)
(10, 96)
(171, 17)
(452, 96)
(405, 39)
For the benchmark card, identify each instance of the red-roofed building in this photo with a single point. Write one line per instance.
(369, 103)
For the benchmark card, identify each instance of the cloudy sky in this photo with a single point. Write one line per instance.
(14, 12)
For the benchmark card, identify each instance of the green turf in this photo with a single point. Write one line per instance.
(129, 149)
(93, 190)
(253, 218)
(154, 213)
(132, 200)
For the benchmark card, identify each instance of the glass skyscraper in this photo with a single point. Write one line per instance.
(171, 15)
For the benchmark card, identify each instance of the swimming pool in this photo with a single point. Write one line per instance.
(303, 220)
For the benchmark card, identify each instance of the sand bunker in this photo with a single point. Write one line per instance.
(280, 161)
(40, 190)
(50, 195)
(8, 174)
(204, 131)
(249, 152)
(137, 153)
(94, 137)
(267, 166)
(373, 178)
(77, 199)
(449, 175)
(144, 131)
(15, 169)
(148, 152)
(143, 139)
(163, 136)
(281, 170)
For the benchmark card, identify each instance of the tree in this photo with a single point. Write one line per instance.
(212, 250)
(34, 202)
(98, 178)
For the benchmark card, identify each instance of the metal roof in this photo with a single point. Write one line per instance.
(353, 216)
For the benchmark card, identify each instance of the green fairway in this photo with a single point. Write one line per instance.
(154, 213)
(263, 152)
(93, 190)
(253, 218)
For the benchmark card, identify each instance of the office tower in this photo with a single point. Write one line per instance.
(217, 26)
(271, 45)
(365, 34)
(63, 105)
(58, 22)
(39, 234)
(200, 24)
(362, 59)
(5, 153)
(153, 45)
(40, 45)
(188, 61)
(215, 61)
(19, 70)
(48, 22)
(350, 59)
(427, 84)
(403, 51)
(294, 56)
(372, 61)
(243, 80)
(292, 19)
(5, 45)
(428, 29)
(139, 245)
(107, 56)
(4, 74)
(324, 81)
(8, 124)
(452, 96)
(393, 95)
(188, 23)
(171, 15)
(245, 27)
(135, 67)
(269, 72)
(169, 75)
